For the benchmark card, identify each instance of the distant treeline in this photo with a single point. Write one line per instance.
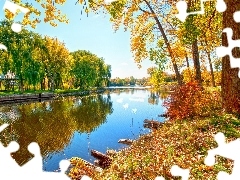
(145, 81)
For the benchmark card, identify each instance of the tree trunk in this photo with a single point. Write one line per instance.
(44, 83)
(196, 62)
(178, 75)
(211, 69)
(41, 84)
(52, 83)
(21, 83)
(230, 79)
(104, 161)
(49, 82)
(187, 61)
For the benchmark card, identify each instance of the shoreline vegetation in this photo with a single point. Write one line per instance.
(182, 140)
(184, 143)
(8, 97)
(195, 113)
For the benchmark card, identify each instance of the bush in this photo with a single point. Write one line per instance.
(191, 100)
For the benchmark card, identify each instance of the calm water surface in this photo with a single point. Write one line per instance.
(72, 126)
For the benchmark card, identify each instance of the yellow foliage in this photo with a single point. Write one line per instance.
(206, 76)
(218, 77)
(52, 14)
(188, 75)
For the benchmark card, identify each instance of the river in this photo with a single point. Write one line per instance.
(72, 126)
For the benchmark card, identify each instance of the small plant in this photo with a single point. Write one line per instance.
(191, 100)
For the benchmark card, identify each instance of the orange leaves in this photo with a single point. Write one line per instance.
(179, 51)
(80, 168)
(190, 100)
(175, 143)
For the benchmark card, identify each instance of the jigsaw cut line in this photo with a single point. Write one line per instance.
(10, 170)
(16, 27)
(227, 150)
(33, 168)
(182, 8)
(223, 51)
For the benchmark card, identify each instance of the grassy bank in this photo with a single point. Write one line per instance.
(57, 91)
(184, 143)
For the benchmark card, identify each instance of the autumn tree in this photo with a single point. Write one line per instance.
(157, 76)
(144, 20)
(210, 36)
(230, 80)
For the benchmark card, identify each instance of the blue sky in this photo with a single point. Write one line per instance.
(94, 33)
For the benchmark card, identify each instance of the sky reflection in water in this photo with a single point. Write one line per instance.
(71, 127)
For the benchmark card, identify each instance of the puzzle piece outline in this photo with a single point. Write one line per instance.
(9, 169)
(177, 171)
(182, 8)
(222, 51)
(227, 150)
(12, 7)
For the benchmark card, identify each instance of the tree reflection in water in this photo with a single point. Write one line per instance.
(51, 124)
(155, 96)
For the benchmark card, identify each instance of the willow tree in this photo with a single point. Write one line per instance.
(19, 52)
(56, 62)
(146, 11)
(89, 70)
(141, 17)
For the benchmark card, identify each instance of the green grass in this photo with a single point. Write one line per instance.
(57, 91)
(9, 93)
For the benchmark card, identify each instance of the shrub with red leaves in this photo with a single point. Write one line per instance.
(191, 100)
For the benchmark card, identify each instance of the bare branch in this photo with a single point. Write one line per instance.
(144, 10)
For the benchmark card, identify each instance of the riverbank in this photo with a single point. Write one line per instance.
(184, 143)
(9, 97)
(30, 96)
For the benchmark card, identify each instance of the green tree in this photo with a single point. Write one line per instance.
(56, 62)
(89, 70)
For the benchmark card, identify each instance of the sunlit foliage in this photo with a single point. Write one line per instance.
(89, 70)
(184, 143)
(191, 100)
(43, 62)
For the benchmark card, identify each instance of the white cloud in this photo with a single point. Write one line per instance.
(134, 110)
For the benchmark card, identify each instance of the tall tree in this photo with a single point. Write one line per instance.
(56, 61)
(144, 19)
(230, 79)
(89, 70)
